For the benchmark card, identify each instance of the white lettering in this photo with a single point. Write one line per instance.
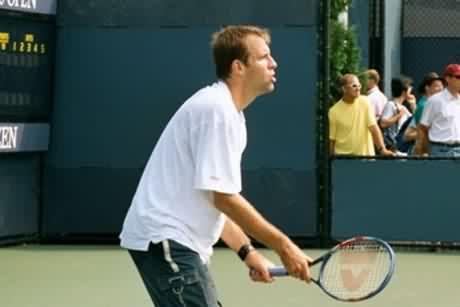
(28, 4)
(21, 4)
(8, 137)
(24, 4)
(13, 3)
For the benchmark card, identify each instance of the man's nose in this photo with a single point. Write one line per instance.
(273, 63)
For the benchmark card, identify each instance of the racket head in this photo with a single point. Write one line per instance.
(357, 269)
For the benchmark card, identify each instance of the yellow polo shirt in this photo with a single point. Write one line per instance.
(349, 127)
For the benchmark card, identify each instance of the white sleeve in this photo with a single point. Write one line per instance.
(428, 113)
(217, 157)
(388, 110)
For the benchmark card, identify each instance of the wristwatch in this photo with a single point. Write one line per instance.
(245, 250)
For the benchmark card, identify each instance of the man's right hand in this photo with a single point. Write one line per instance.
(295, 261)
(386, 152)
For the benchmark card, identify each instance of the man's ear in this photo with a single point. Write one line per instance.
(237, 67)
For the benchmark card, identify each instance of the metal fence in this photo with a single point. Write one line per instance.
(430, 36)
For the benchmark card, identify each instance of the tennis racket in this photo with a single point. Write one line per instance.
(354, 270)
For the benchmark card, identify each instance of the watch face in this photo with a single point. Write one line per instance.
(244, 251)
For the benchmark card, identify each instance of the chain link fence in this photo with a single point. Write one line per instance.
(431, 36)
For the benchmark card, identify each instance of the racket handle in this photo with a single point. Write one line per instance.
(278, 271)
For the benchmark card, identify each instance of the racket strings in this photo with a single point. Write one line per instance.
(356, 270)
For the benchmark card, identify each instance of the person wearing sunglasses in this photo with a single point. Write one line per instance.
(353, 128)
(438, 133)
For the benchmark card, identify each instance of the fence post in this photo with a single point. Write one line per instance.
(324, 206)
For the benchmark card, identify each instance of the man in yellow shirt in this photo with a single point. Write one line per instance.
(353, 129)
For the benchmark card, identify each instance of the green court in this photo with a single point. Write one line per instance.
(103, 276)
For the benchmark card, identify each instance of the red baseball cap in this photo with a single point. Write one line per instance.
(452, 70)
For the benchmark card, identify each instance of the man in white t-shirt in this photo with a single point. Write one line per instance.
(377, 99)
(189, 194)
(395, 112)
(438, 133)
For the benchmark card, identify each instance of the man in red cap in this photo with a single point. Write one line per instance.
(439, 128)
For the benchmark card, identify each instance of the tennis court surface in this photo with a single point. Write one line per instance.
(103, 276)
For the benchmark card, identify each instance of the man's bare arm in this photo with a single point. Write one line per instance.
(390, 121)
(421, 145)
(410, 134)
(233, 235)
(239, 210)
(377, 138)
(331, 147)
(242, 213)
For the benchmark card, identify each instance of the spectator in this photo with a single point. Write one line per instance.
(395, 113)
(439, 127)
(431, 84)
(377, 99)
(353, 129)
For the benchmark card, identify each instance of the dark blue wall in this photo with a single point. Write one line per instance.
(279, 163)
(186, 12)
(407, 200)
(19, 195)
(120, 75)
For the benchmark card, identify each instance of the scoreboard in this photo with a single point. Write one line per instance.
(27, 41)
(26, 67)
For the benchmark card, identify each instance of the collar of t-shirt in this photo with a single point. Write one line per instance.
(451, 97)
(372, 90)
(221, 84)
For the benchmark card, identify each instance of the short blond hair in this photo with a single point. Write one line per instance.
(373, 74)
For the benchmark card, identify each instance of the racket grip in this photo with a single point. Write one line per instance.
(278, 271)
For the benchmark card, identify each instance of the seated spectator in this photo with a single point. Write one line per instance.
(352, 126)
(395, 113)
(377, 99)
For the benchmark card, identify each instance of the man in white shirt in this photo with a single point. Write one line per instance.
(189, 194)
(377, 99)
(439, 128)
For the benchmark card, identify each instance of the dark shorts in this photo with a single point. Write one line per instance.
(175, 276)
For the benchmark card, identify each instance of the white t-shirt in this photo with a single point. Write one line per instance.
(378, 101)
(199, 152)
(442, 115)
(391, 109)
